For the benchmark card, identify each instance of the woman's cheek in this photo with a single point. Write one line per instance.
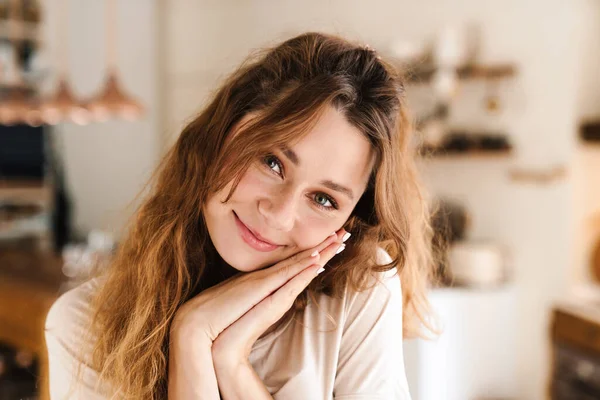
(315, 230)
(252, 182)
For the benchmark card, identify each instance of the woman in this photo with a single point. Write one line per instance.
(238, 276)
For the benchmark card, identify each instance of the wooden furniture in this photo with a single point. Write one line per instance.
(424, 73)
(37, 193)
(576, 355)
(29, 283)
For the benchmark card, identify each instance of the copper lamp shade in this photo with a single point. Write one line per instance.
(113, 101)
(33, 116)
(64, 107)
(13, 108)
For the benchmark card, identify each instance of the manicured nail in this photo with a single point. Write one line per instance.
(316, 253)
(346, 236)
(320, 270)
(340, 249)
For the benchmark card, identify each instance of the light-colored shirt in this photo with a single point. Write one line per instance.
(357, 356)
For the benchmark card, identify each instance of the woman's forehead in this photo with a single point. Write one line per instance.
(334, 147)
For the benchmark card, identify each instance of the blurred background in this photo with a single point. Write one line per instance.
(506, 99)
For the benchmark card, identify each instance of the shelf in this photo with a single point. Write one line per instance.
(539, 176)
(468, 155)
(23, 183)
(424, 74)
(25, 89)
(26, 191)
(14, 31)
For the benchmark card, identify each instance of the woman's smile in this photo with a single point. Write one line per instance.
(253, 238)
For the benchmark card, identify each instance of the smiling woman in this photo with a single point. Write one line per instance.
(269, 257)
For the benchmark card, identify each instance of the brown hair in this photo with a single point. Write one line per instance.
(167, 251)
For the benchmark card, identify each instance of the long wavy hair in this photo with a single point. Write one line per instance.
(166, 252)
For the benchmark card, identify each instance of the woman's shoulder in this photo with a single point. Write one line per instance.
(380, 281)
(69, 344)
(69, 317)
(381, 290)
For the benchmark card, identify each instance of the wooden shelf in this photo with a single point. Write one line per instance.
(468, 155)
(424, 74)
(26, 191)
(26, 90)
(539, 176)
(23, 183)
(16, 31)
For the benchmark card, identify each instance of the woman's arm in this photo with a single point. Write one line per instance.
(231, 350)
(242, 383)
(212, 334)
(191, 373)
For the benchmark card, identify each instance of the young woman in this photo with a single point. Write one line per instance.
(268, 257)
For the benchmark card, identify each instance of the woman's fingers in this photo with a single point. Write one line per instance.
(241, 293)
(265, 282)
(273, 307)
(288, 268)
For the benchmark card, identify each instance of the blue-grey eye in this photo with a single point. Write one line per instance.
(321, 199)
(272, 162)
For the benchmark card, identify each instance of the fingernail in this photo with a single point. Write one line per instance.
(316, 253)
(340, 249)
(333, 234)
(320, 270)
(346, 236)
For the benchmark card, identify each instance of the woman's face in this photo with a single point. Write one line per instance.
(292, 199)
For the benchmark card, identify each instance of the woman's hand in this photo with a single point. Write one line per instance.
(212, 311)
(231, 349)
(203, 318)
(233, 345)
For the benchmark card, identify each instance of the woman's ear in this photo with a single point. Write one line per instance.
(365, 208)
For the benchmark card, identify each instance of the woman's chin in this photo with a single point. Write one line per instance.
(242, 262)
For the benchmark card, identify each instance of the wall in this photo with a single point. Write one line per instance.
(106, 163)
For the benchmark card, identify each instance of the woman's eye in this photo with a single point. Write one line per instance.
(325, 202)
(274, 164)
(321, 200)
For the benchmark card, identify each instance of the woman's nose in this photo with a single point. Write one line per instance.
(279, 210)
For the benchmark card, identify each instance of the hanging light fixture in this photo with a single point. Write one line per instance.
(33, 116)
(15, 106)
(63, 106)
(112, 100)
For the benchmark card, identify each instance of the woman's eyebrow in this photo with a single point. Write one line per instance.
(293, 157)
(338, 188)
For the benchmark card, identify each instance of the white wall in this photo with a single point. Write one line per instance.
(106, 163)
(205, 39)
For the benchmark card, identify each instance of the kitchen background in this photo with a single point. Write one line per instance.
(507, 99)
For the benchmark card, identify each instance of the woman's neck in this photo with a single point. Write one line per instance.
(217, 270)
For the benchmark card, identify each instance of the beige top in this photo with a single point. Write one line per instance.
(359, 357)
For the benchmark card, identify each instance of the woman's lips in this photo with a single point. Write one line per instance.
(251, 239)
